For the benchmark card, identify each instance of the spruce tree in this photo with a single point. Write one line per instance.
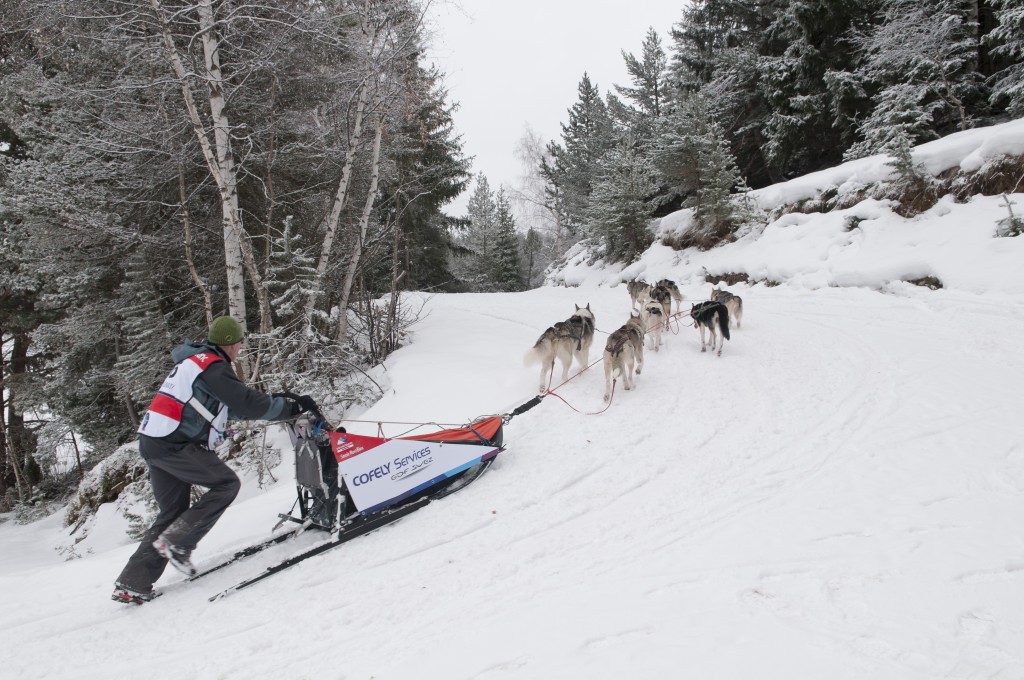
(506, 273)
(1007, 41)
(575, 161)
(694, 155)
(477, 265)
(648, 94)
(620, 207)
(921, 61)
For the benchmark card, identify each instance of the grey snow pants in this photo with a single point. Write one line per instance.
(172, 476)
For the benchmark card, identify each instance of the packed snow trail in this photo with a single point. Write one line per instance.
(839, 495)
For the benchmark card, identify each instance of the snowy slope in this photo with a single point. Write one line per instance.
(838, 496)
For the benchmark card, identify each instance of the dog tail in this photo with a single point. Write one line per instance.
(535, 354)
(723, 321)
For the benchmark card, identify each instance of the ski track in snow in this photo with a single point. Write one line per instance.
(838, 495)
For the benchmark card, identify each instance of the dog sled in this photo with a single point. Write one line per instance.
(348, 485)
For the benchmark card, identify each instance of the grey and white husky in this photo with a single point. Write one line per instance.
(565, 340)
(713, 316)
(733, 302)
(653, 315)
(623, 351)
(637, 290)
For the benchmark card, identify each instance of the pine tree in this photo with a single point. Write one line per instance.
(430, 171)
(922, 62)
(506, 273)
(585, 139)
(648, 93)
(291, 271)
(620, 207)
(802, 48)
(902, 114)
(144, 340)
(478, 241)
(1007, 40)
(693, 154)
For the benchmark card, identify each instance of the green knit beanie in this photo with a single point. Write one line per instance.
(225, 330)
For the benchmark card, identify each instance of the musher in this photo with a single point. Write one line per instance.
(183, 425)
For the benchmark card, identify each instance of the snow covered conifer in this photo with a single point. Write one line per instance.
(1007, 39)
(506, 273)
(620, 206)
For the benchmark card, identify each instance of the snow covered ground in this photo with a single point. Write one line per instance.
(840, 495)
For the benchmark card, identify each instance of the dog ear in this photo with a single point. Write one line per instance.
(588, 306)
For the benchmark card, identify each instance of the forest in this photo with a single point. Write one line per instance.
(167, 161)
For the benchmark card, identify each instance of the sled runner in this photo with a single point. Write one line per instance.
(348, 485)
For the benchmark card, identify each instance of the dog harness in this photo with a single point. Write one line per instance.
(167, 412)
(574, 321)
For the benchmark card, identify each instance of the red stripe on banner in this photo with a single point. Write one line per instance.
(204, 359)
(348, 445)
(167, 406)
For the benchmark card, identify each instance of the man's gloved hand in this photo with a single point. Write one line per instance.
(293, 407)
(307, 403)
(297, 404)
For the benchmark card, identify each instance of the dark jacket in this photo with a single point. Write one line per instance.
(217, 385)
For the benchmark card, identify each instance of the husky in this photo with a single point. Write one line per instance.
(637, 290)
(663, 296)
(653, 315)
(673, 290)
(715, 317)
(565, 340)
(733, 302)
(623, 351)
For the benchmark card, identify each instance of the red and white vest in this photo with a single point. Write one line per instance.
(165, 412)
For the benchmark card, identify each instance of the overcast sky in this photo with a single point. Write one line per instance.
(510, 65)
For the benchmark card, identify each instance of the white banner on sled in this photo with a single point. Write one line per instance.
(378, 471)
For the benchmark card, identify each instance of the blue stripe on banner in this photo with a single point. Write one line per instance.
(429, 483)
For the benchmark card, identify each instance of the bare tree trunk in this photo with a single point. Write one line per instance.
(340, 198)
(225, 160)
(397, 276)
(238, 255)
(13, 426)
(78, 453)
(364, 221)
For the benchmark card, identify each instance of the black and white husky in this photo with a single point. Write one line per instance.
(713, 316)
(733, 302)
(565, 340)
(673, 290)
(663, 296)
(624, 351)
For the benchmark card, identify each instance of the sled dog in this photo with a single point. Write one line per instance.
(637, 290)
(623, 351)
(673, 290)
(713, 316)
(653, 315)
(733, 302)
(565, 340)
(663, 296)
